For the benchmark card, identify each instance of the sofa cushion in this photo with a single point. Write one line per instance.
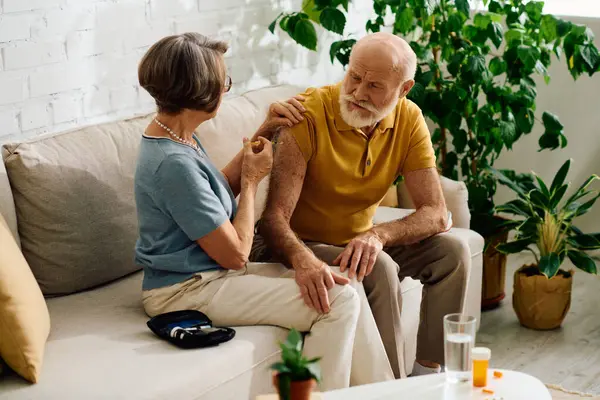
(100, 344)
(24, 318)
(75, 208)
(7, 205)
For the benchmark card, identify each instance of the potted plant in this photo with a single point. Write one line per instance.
(542, 290)
(474, 82)
(295, 376)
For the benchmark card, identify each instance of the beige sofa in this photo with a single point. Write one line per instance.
(99, 345)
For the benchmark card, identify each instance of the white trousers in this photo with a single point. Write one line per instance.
(346, 338)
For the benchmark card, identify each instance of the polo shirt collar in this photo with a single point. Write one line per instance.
(341, 125)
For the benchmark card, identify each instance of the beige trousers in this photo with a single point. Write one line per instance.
(441, 263)
(346, 338)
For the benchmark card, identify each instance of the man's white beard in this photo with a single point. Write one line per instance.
(354, 117)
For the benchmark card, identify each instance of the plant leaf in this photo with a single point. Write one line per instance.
(585, 241)
(463, 6)
(294, 340)
(515, 246)
(528, 55)
(525, 120)
(585, 207)
(305, 34)
(497, 66)
(315, 370)
(506, 181)
(280, 367)
(285, 386)
(539, 199)
(581, 191)
(548, 28)
(333, 20)
(557, 196)
(560, 176)
(582, 261)
(549, 264)
(404, 20)
(274, 23)
(517, 207)
(551, 123)
(542, 185)
(481, 20)
(495, 33)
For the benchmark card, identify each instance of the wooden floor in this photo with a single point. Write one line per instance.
(569, 356)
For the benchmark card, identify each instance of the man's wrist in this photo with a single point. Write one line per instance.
(381, 234)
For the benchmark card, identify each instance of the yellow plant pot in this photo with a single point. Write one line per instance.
(541, 303)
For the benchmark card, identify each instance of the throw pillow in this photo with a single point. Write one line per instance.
(24, 318)
(74, 198)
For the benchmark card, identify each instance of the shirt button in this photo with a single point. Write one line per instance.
(368, 163)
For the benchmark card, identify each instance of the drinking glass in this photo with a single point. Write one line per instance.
(459, 337)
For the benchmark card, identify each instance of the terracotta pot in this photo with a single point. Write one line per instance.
(299, 390)
(494, 273)
(541, 303)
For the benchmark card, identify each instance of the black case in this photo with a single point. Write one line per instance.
(162, 325)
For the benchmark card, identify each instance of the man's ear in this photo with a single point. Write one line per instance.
(406, 87)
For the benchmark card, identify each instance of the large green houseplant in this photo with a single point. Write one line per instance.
(545, 226)
(475, 82)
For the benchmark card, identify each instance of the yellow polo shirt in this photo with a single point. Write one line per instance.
(348, 173)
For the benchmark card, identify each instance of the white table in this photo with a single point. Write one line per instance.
(512, 386)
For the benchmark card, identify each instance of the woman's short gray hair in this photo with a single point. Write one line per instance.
(184, 71)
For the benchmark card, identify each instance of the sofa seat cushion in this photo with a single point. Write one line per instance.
(100, 347)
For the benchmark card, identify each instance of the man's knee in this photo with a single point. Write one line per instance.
(455, 252)
(385, 272)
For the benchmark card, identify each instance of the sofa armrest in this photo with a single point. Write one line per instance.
(457, 200)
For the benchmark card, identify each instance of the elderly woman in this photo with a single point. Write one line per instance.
(194, 240)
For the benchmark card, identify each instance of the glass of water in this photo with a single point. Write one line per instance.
(459, 337)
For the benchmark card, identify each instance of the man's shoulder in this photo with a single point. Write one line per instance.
(319, 100)
(408, 108)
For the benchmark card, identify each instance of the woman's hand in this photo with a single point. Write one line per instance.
(281, 114)
(258, 160)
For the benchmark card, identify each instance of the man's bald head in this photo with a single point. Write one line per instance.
(387, 51)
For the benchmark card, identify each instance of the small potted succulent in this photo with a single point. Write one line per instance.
(295, 376)
(542, 291)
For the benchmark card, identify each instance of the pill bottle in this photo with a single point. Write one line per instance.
(481, 360)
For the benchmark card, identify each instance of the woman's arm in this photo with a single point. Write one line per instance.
(229, 245)
(287, 113)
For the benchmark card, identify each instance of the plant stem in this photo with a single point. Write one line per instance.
(438, 86)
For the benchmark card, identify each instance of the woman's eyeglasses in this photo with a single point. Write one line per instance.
(228, 84)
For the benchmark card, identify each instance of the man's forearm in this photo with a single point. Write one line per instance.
(282, 240)
(423, 223)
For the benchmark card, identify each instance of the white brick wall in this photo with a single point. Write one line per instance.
(69, 63)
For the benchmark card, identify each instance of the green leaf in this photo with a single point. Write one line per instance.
(513, 35)
(476, 66)
(482, 21)
(315, 371)
(542, 186)
(581, 191)
(497, 66)
(528, 55)
(455, 23)
(507, 181)
(582, 261)
(558, 195)
(585, 207)
(589, 55)
(285, 386)
(562, 27)
(551, 123)
(333, 20)
(305, 34)
(417, 94)
(525, 120)
(549, 141)
(294, 340)
(311, 10)
(548, 28)
(495, 17)
(561, 175)
(459, 140)
(495, 33)
(534, 10)
(274, 23)
(463, 6)
(404, 20)
(515, 246)
(280, 367)
(549, 264)
(538, 198)
(516, 207)
(341, 50)
(585, 241)
(508, 132)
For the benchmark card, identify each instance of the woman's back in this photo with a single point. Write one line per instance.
(180, 197)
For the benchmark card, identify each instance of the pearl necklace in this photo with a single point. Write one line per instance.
(178, 138)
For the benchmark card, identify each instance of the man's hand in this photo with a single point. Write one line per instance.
(281, 114)
(360, 255)
(314, 279)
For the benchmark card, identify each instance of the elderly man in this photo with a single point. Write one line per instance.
(330, 173)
